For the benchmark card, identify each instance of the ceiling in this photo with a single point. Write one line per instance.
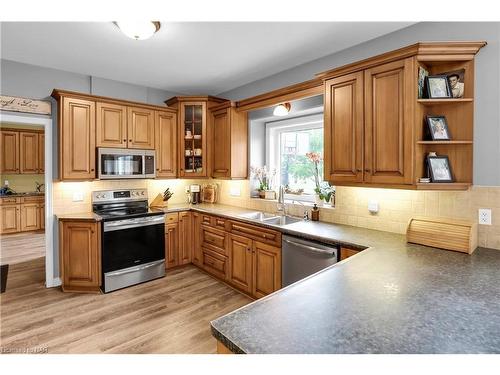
(188, 57)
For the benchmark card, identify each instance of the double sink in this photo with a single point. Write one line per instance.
(271, 219)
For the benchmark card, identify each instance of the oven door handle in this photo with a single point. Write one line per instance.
(311, 248)
(133, 223)
(135, 269)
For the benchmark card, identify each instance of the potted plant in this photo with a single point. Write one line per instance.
(264, 177)
(315, 159)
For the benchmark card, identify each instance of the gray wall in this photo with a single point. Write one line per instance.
(37, 82)
(487, 93)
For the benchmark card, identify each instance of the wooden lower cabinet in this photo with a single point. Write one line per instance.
(172, 245)
(10, 218)
(345, 252)
(266, 269)
(240, 263)
(30, 217)
(215, 263)
(41, 209)
(80, 255)
(197, 255)
(185, 237)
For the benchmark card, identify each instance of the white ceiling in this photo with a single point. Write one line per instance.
(190, 58)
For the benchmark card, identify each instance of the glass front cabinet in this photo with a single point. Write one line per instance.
(193, 133)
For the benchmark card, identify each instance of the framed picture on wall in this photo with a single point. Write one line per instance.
(439, 168)
(438, 87)
(438, 128)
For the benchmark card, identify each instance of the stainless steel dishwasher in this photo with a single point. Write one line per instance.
(301, 258)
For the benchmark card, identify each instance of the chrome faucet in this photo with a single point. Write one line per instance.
(281, 206)
(306, 212)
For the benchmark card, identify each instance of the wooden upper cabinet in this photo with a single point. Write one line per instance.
(389, 118)
(240, 263)
(28, 152)
(111, 125)
(80, 256)
(266, 269)
(193, 139)
(41, 153)
(166, 144)
(230, 143)
(343, 128)
(9, 152)
(77, 139)
(141, 128)
(185, 237)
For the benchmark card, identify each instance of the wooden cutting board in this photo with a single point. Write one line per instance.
(448, 234)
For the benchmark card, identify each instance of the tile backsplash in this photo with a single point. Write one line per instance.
(395, 206)
(22, 183)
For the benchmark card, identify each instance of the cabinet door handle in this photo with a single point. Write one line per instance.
(368, 170)
(130, 140)
(124, 140)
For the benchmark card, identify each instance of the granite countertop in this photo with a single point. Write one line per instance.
(79, 216)
(393, 297)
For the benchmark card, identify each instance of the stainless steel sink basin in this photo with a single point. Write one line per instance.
(260, 216)
(281, 220)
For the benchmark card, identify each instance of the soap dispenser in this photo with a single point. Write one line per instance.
(315, 213)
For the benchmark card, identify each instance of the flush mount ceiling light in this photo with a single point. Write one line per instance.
(138, 30)
(282, 109)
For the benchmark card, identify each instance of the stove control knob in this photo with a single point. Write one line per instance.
(142, 192)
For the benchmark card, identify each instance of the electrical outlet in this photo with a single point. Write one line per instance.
(235, 191)
(186, 189)
(485, 216)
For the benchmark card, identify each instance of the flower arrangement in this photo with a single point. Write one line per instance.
(265, 177)
(315, 158)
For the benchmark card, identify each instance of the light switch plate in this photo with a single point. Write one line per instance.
(485, 216)
(78, 196)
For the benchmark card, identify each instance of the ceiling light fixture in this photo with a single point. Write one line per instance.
(138, 30)
(282, 109)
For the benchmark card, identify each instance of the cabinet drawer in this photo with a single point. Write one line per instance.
(258, 233)
(207, 220)
(214, 263)
(172, 218)
(31, 199)
(214, 239)
(219, 222)
(8, 201)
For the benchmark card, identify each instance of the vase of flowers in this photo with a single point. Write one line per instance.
(265, 178)
(315, 159)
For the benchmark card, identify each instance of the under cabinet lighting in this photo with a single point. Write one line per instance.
(138, 30)
(282, 109)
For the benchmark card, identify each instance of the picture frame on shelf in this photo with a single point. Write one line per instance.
(456, 81)
(438, 128)
(439, 169)
(422, 73)
(438, 87)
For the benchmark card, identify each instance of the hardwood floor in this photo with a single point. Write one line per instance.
(21, 247)
(168, 315)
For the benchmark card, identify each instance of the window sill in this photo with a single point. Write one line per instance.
(291, 202)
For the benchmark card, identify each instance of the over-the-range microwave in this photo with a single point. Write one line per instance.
(116, 163)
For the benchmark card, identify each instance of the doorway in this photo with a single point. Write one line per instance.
(28, 244)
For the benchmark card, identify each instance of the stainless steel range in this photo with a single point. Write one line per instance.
(133, 238)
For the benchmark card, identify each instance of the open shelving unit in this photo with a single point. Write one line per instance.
(459, 113)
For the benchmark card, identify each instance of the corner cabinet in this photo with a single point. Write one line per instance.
(375, 123)
(80, 255)
(194, 125)
(230, 135)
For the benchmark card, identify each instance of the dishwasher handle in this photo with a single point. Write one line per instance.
(311, 248)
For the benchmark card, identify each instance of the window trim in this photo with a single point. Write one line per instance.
(273, 130)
